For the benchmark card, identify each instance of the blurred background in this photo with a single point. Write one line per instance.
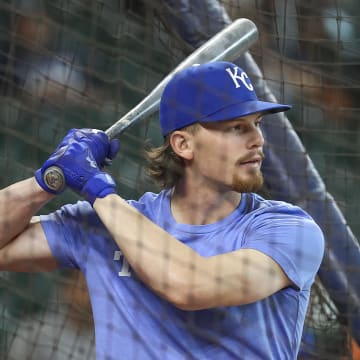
(85, 63)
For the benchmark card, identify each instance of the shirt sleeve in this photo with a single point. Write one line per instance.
(68, 232)
(291, 238)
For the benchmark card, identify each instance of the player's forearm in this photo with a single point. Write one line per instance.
(18, 204)
(179, 274)
(167, 266)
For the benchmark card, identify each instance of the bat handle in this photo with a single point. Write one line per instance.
(54, 179)
(145, 108)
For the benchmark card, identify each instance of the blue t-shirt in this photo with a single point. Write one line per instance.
(131, 322)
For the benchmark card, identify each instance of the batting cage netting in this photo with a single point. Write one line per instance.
(84, 63)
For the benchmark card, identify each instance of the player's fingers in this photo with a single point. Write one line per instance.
(114, 148)
(97, 141)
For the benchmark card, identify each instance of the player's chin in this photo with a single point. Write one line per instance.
(249, 182)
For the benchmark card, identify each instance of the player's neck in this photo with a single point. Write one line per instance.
(199, 205)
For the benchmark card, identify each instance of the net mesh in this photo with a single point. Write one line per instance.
(74, 63)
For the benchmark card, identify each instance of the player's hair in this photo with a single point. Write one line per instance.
(165, 167)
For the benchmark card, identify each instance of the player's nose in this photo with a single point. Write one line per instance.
(255, 137)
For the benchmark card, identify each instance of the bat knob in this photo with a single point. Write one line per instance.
(54, 178)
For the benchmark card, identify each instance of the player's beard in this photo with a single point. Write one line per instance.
(252, 183)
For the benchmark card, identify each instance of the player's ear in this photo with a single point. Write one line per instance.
(181, 143)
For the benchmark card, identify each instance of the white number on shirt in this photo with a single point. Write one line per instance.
(125, 268)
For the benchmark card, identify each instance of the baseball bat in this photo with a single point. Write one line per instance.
(228, 44)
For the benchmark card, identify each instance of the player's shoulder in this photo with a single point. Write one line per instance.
(147, 197)
(151, 201)
(280, 217)
(80, 208)
(78, 211)
(258, 205)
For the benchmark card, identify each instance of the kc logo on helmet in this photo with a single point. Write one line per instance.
(235, 77)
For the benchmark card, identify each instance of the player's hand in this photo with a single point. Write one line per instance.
(103, 149)
(77, 160)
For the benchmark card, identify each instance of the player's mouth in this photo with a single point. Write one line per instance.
(253, 160)
(256, 162)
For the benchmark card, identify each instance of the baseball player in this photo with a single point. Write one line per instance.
(204, 269)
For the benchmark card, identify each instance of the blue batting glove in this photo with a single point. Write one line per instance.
(83, 175)
(76, 160)
(98, 186)
(102, 148)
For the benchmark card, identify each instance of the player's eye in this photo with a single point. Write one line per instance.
(234, 128)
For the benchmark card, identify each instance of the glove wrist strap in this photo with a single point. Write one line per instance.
(98, 186)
